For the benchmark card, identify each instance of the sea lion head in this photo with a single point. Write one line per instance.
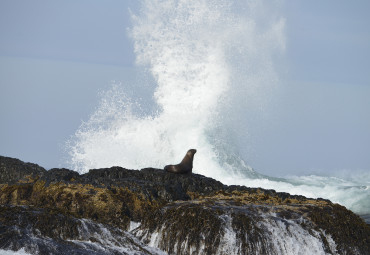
(191, 152)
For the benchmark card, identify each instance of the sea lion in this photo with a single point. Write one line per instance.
(186, 165)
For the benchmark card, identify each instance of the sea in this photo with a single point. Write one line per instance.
(202, 63)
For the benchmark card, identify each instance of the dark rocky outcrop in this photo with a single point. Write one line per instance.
(179, 214)
(13, 170)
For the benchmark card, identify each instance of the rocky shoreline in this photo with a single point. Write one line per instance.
(60, 211)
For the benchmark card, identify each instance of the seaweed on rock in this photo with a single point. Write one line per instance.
(179, 214)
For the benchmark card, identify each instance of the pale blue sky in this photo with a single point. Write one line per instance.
(55, 57)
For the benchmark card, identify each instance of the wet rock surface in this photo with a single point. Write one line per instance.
(47, 231)
(179, 214)
(257, 223)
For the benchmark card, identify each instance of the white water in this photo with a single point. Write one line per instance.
(288, 237)
(279, 236)
(209, 60)
(92, 238)
(110, 241)
(10, 252)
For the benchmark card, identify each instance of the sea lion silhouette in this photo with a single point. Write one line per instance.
(186, 165)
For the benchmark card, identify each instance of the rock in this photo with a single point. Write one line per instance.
(179, 214)
(47, 231)
(13, 170)
(60, 175)
(253, 223)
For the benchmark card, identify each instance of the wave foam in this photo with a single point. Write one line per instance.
(209, 59)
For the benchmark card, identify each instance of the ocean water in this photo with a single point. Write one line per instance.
(207, 61)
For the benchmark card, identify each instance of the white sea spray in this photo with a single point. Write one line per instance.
(189, 48)
(210, 60)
